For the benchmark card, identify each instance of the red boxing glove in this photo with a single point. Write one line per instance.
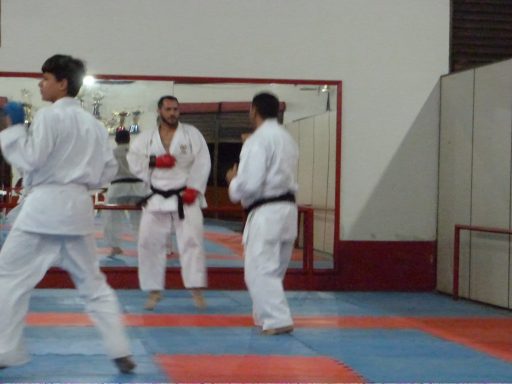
(164, 161)
(189, 195)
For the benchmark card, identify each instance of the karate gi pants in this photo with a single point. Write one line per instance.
(24, 259)
(115, 220)
(154, 234)
(269, 237)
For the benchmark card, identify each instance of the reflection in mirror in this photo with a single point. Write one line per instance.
(220, 112)
(107, 99)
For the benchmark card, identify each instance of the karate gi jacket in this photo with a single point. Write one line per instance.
(62, 155)
(192, 168)
(268, 165)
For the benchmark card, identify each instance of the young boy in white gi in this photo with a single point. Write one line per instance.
(265, 184)
(63, 155)
(174, 159)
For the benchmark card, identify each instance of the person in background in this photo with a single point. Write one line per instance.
(174, 159)
(124, 189)
(12, 113)
(64, 154)
(264, 182)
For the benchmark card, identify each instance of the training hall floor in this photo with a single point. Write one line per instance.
(222, 243)
(339, 337)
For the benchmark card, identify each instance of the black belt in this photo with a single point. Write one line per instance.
(166, 194)
(126, 180)
(289, 196)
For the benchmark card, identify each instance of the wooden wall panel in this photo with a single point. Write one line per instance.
(316, 173)
(321, 159)
(455, 154)
(491, 182)
(294, 130)
(331, 177)
(306, 161)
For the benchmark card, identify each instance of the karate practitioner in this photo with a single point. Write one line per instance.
(174, 159)
(265, 184)
(62, 155)
(124, 189)
(10, 114)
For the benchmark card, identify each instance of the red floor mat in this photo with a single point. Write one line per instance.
(252, 368)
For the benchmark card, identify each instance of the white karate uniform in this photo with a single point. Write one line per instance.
(191, 170)
(122, 193)
(62, 155)
(268, 162)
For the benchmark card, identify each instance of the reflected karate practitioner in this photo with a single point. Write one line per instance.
(124, 189)
(174, 159)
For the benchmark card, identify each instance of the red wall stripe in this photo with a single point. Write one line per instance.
(387, 265)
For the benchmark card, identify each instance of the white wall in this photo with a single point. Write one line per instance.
(389, 54)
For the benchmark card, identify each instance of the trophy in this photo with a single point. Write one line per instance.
(96, 104)
(134, 127)
(111, 124)
(27, 105)
(122, 117)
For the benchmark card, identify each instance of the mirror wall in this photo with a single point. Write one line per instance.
(219, 108)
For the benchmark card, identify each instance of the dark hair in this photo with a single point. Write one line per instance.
(266, 105)
(66, 67)
(3, 116)
(122, 136)
(166, 97)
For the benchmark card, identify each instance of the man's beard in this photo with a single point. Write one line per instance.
(171, 123)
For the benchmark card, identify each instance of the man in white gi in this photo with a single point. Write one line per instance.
(124, 189)
(174, 159)
(63, 155)
(265, 184)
